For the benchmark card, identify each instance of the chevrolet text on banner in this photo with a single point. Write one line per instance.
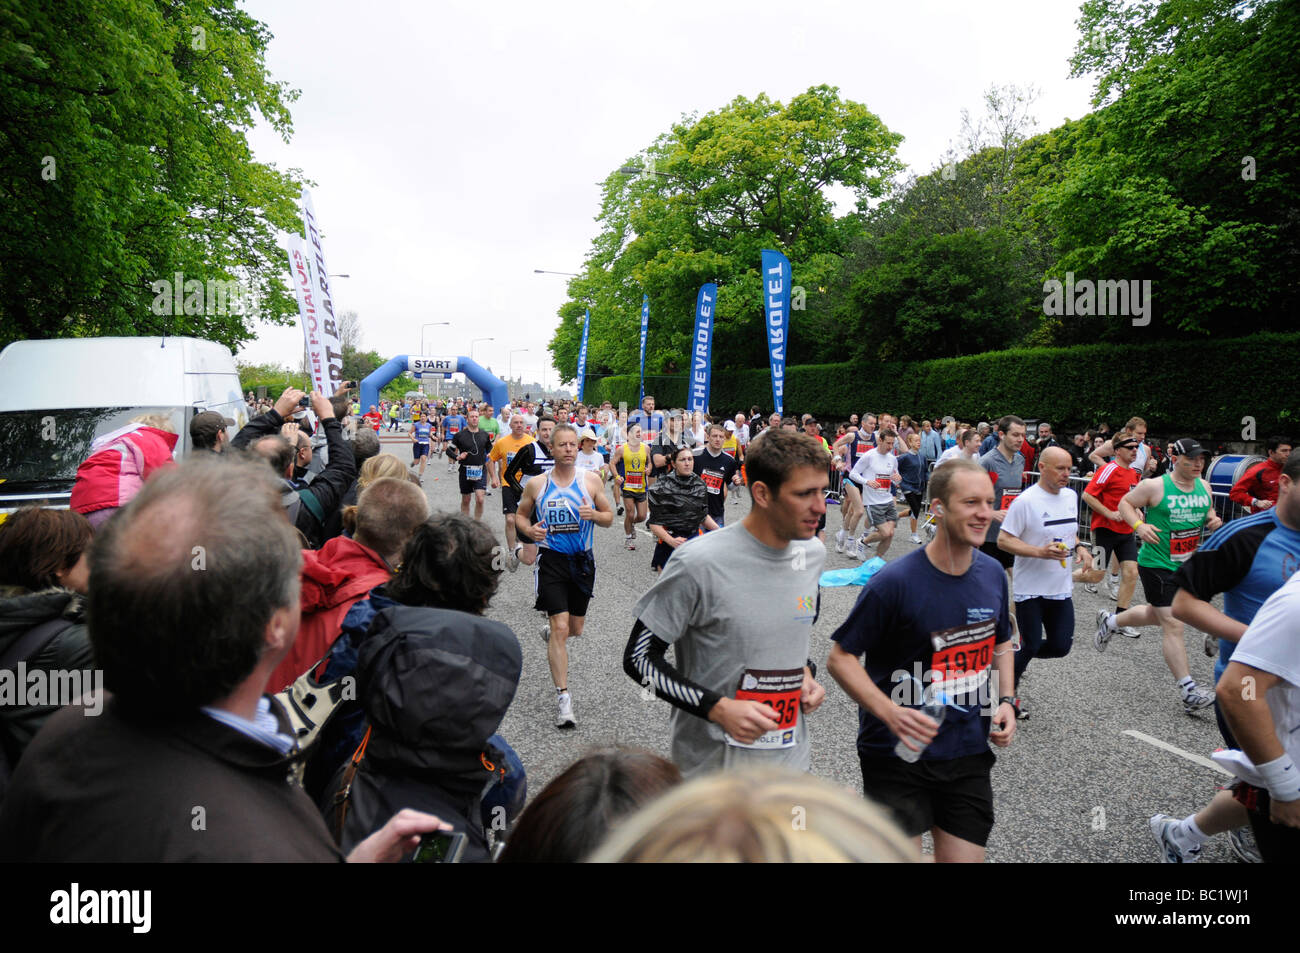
(645, 323)
(582, 354)
(300, 271)
(776, 301)
(333, 359)
(702, 348)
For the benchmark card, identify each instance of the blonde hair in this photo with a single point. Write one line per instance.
(157, 421)
(757, 816)
(378, 467)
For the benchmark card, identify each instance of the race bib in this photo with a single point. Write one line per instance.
(561, 517)
(1182, 544)
(712, 480)
(778, 689)
(473, 473)
(962, 656)
(634, 482)
(453, 430)
(1007, 497)
(884, 483)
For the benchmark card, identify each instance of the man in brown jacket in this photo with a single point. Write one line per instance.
(194, 600)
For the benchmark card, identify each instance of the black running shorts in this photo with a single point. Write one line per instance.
(1004, 558)
(1158, 585)
(557, 590)
(1123, 545)
(955, 796)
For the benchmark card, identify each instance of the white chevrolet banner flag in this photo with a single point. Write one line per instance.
(323, 298)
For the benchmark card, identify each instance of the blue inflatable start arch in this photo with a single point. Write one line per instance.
(494, 388)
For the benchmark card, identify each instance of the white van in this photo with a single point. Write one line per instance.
(57, 396)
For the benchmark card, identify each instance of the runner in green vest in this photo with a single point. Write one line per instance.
(1178, 507)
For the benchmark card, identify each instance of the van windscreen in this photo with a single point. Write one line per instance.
(45, 447)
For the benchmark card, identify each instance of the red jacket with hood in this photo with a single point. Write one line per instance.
(334, 577)
(112, 475)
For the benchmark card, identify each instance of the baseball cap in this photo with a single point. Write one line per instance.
(730, 425)
(205, 426)
(1186, 447)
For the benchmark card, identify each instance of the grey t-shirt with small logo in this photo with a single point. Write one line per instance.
(738, 615)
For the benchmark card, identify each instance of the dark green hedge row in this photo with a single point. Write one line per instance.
(1201, 387)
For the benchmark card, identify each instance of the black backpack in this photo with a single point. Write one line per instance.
(293, 500)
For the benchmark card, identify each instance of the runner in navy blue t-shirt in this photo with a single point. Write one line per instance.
(937, 617)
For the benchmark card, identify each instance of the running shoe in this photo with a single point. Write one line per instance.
(1162, 826)
(1102, 637)
(564, 717)
(839, 541)
(1211, 646)
(513, 562)
(1129, 632)
(914, 538)
(1090, 587)
(859, 550)
(1242, 842)
(1195, 700)
(1112, 589)
(630, 542)
(546, 631)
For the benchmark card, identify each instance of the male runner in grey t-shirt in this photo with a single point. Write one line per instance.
(738, 607)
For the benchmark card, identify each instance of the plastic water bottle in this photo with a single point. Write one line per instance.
(934, 704)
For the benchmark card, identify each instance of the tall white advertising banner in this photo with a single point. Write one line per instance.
(332, 360)
(300, 270)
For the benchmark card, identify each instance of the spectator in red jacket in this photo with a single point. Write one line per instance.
(344, 570)
(118, 465)
(1257, 488)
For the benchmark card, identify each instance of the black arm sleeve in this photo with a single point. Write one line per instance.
(644, 663)
(267, 425)
(333, 483)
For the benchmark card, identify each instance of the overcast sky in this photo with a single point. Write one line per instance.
(456, 147)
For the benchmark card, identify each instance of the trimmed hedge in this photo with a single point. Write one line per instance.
(1197, 387)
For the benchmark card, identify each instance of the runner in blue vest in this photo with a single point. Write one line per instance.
(569, 505)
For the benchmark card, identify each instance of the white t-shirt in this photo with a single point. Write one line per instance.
(1272, 644)
(872, 472)
(1037, 517)
(953, 453)
(589, 461)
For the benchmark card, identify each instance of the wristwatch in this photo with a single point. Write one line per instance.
(1007, 700)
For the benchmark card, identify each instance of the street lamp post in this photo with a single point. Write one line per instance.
(510, 365)
(430, 324)
(475, 341)
(543, 271)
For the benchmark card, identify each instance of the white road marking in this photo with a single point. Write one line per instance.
(1196, 758)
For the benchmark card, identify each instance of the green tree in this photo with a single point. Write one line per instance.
(124, 160)
(713, 192)
(1188, 175)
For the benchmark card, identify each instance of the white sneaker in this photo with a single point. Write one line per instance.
(564, 717)
(1129, 632)
(914, 538)
(1102, 637)
(839, 541)
(859, 550)
(1162, 826)
(1112, 589)
(513, 562)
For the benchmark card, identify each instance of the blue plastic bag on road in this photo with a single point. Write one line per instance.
(857, 576)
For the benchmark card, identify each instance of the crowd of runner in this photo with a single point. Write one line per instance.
(298, 665)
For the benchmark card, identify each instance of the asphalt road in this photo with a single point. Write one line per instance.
(1075, 785)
